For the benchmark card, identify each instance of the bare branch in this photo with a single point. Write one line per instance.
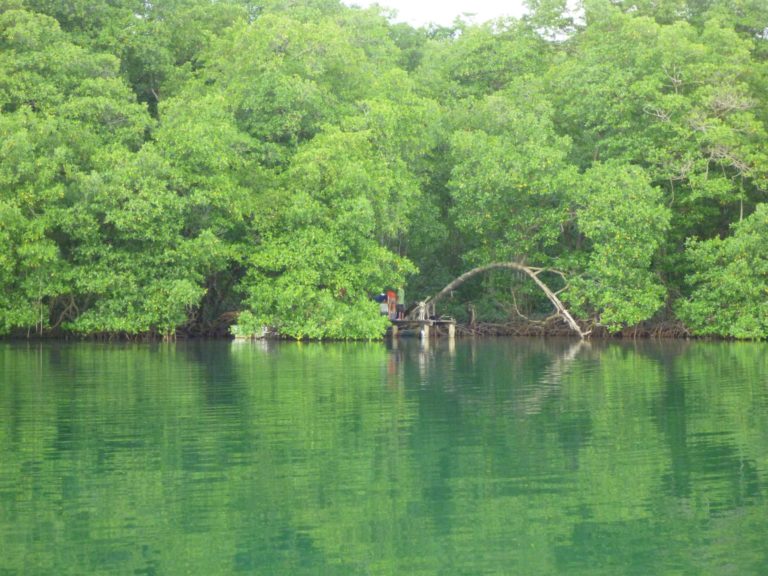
(533, 273)
(659, 113)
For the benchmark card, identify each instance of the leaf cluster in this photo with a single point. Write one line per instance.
(172, 166)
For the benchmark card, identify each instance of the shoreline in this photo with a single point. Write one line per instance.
(551, 328)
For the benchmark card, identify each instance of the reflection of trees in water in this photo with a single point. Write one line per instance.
(624, 423)
(551, 380)
(708, 460)
(569, 459)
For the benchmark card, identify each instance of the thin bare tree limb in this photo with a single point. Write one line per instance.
(532, 273)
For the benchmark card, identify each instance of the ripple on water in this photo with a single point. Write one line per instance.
(485, 457)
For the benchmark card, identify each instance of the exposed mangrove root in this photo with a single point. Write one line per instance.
(532, 273)
(556, 327)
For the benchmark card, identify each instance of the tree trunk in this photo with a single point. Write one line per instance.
(533, 273)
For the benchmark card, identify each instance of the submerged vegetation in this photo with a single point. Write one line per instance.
(172, 166)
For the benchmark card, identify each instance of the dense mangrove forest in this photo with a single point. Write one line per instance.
(199, 167)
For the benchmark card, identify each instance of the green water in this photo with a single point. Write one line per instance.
(489, 457)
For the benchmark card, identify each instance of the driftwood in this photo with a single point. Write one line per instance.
(531, 272)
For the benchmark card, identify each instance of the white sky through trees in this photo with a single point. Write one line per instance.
(420, 12)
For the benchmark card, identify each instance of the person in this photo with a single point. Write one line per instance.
(382, 300)
(392, 304)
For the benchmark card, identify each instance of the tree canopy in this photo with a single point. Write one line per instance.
(180, 165)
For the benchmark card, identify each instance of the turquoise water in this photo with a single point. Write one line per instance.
(486, 457)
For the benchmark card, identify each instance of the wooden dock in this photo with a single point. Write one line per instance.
(424, 326)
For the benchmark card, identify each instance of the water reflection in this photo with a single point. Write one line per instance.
(551, 379)
(538, 457)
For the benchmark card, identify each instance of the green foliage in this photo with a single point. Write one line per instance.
(622, 217)
(482, 59)
(675, 100)
(170, 165)
(508, 174)
(730, 281)
(321, 255)
(141, 270)
(64, 113)
(284, 78)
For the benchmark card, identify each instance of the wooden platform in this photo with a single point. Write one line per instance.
(423, 326)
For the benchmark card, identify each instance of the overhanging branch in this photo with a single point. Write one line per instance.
(531, 272)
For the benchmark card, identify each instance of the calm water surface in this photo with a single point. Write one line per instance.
(489, 457)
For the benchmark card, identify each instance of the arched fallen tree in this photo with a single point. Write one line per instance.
(533, 273)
